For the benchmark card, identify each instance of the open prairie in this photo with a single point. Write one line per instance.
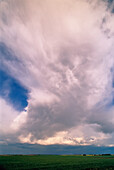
(56, 162)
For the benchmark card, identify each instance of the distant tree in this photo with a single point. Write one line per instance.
(84, 154)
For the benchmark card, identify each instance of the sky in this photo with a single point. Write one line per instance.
(56, 74)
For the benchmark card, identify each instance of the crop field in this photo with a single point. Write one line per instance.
(56, 162)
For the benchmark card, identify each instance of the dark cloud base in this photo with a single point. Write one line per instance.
(19, 148)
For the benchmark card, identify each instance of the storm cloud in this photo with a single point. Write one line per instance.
(62, 53)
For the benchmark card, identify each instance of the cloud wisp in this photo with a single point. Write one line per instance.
(62, 53)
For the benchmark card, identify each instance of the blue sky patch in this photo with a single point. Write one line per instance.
(12, 91)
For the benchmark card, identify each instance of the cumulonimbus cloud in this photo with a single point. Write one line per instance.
(63, 54)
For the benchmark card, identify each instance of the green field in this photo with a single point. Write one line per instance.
(56, 162)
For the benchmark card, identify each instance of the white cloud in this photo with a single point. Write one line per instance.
(10, 119)
(63, 55)
(7, 114)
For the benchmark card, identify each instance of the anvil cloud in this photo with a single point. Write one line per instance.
(62, 52)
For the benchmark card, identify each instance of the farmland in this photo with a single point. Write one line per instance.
(56, 162)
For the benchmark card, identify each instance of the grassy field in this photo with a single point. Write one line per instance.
(56, 162)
